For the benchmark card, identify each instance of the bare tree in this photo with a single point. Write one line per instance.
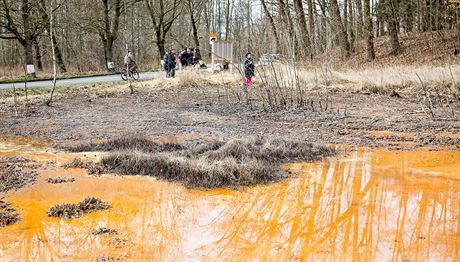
(369, 30)
(301, 21)
(339, 26)
(163, 14)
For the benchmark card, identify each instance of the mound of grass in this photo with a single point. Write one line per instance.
(200, 172)
(7, 214)
(15, 173)
(199, 164)
(103, 231)
(69, 211)
(92, 168)
(127, 143)
(59, 180)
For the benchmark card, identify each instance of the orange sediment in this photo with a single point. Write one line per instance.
(372, 205)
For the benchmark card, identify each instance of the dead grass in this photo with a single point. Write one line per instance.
(104, 231)
(200, 164)
(92, 168)
(59, 180)
(195, 78)
(8, 215)
(15, 173)
(69, 211)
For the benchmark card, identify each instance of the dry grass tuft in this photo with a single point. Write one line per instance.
(92, 168)
(8, 215)
(59, 180)
(69, 211)
(199, 172)
(103, 231)
(238, 162)
(195, 78)
(15, 173)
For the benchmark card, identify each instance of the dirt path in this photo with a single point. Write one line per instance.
(217, 112)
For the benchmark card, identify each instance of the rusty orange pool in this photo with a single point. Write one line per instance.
(371, 205)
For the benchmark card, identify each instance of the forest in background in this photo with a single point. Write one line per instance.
(86, 34)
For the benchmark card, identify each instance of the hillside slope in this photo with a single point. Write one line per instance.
(429, 48)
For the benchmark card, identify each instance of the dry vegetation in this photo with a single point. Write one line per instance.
(7, 214)
(16, 173)
(60, 180)
(69, 211)
(200, 164)
(104, 231)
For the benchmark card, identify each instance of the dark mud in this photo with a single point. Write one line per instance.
(8, 215)
(16, 172)
(207, 164)
(69, 211)
(104, 231)
(59, 180)
(221, 113)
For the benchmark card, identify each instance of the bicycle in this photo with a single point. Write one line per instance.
(133, 74)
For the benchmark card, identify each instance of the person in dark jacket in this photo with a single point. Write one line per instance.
(186, 58)
(170, 63)
(249, 69)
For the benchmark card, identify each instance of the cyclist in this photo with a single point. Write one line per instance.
(129, 61)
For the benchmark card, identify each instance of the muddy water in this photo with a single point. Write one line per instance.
(372, 205)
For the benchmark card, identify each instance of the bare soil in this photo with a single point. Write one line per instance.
(219, 112)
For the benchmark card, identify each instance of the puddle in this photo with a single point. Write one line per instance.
(373, 205)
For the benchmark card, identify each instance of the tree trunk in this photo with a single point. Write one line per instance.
(28, 41)
(392, 16)
(38, 55)
(272, 24)
(350, 27)
(360, 18)
(47, 21)
(194, 23)
(408, 16)
(160, 44)
(369, 30)
(337, 19)
(110, 31)
(286, 17)
(298, 7)
(311, 24)
(58, 55)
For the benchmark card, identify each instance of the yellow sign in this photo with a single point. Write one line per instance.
(212, 35)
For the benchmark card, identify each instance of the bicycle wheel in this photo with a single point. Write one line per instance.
(124, 75)
(135, 75)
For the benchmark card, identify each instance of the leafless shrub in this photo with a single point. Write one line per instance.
(440, 98)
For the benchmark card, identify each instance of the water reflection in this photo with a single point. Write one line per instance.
(372, 205)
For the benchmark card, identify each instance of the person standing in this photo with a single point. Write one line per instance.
(170, 63)
(249, 68)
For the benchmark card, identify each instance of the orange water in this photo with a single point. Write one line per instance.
(372, 205)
